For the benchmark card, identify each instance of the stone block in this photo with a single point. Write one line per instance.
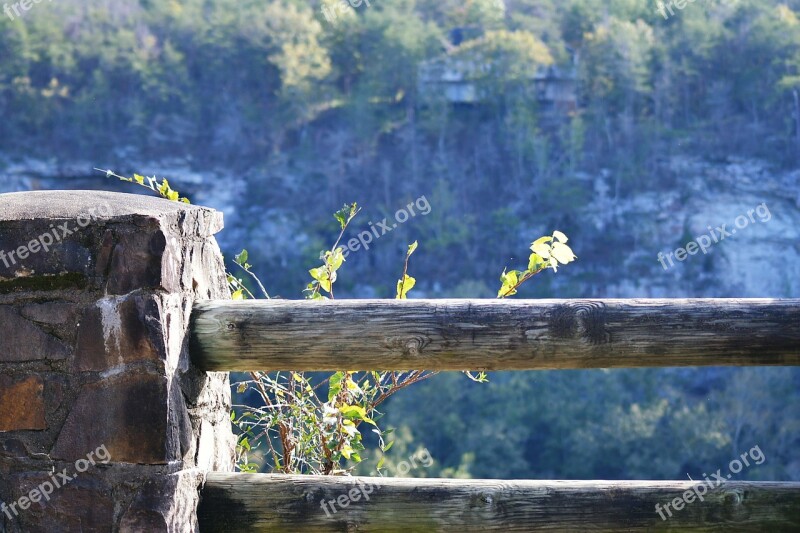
(119, 330)
(129, 414)
(24, 341)
(22, 403)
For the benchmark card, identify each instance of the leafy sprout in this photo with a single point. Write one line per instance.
(406, 283)
(547, 252)
(163, 188)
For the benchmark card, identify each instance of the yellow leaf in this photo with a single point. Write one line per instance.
(325, 284)
(563, 253)
(534, 262)
(541, 247)
(404, 285)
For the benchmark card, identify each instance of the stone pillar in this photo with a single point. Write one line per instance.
(104, 423)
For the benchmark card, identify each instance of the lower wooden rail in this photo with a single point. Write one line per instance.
(278, 503)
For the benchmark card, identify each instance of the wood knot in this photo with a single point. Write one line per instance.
(409, 346)
(584, 320)
(734, 497)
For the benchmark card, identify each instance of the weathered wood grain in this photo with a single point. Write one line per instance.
(276, 503)
(493, 335)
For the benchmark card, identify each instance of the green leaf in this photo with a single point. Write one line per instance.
(509, 280)
(238, 295)
(241, 257)
(334, 259)
(319, 273)
(560, 237)
(535, 262)
(353, 411)
(341, 216)
(139, 179)
(326, 284)
(346, 213)
(411, 248)
(335, 385)
(356, 412)
(347, 451)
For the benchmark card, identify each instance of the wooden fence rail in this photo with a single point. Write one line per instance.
(493, 335)
(277, 503)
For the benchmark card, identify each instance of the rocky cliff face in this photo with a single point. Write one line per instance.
(738, 223)
(744, 219)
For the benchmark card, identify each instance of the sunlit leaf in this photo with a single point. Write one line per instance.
(325, 284)
(347, 451)
(535, 262)
(541, 247)
(319, 273)
(404, 285)
(334, 259)
(335, 385)
(563, 253)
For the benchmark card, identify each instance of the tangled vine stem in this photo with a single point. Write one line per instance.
(303, 433)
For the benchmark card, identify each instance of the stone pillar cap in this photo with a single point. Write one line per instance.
(94, 239)
(103, 205)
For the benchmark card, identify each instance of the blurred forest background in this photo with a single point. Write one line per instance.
(630, 130)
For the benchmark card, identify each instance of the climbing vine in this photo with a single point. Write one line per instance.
(306, 427)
